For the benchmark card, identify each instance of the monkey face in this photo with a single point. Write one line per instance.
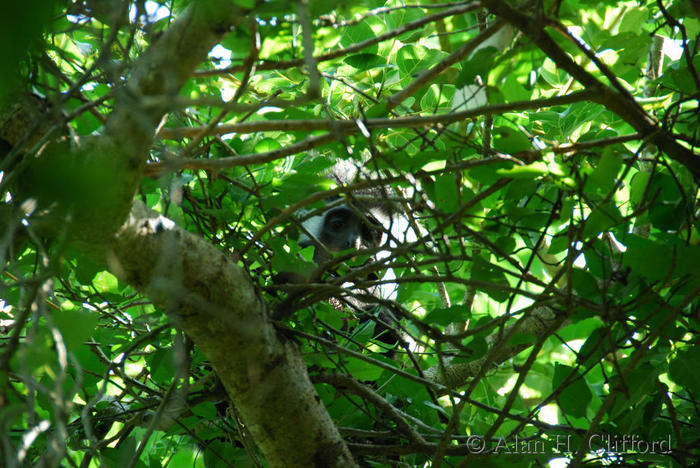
(341, 228)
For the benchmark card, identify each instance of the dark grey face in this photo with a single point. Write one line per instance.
(341, 228)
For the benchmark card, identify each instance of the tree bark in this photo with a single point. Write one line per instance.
(215, 303)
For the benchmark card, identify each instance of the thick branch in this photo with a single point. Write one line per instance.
(161, 71)
(542, 321)
(216, 304)
(349, 125)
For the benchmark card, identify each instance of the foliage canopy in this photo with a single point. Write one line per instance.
(542, 157)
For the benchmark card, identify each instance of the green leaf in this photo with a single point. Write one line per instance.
(477, 345)
(20, 29)
(238, 41)
(322, 7)
(484, 271)
(510, 141)
(559, 243)
(513, 90)
(601, 219)
(410, 59)
(506, 244)
(86, 268)
(633, 18)
(585, 284)
(205, 409)
(105, 282)
(446, 195)
(331, 316)
(76, 325)
(184, 457)
(362, 370)
(401, 16)
(576, 396)
(444, 317)
(162, 365)
(599, 343)
(530, 171)
(683, 369)
(521, 188)
(437, 96)
(285, 261)
(479, 64)
(647, 258)
(668, 210)
(358, 33)
(604, 176)
(365, 61)
(267, 144)
(362, 333)
(122, 456)
(378, 110)
(247, 4)
(642, 383)
(522, 338)
(638, 187)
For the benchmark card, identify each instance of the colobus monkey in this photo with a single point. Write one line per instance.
(366, 220)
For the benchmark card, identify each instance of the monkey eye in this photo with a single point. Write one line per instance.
(337, 224)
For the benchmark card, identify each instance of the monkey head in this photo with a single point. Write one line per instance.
(341, 228)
